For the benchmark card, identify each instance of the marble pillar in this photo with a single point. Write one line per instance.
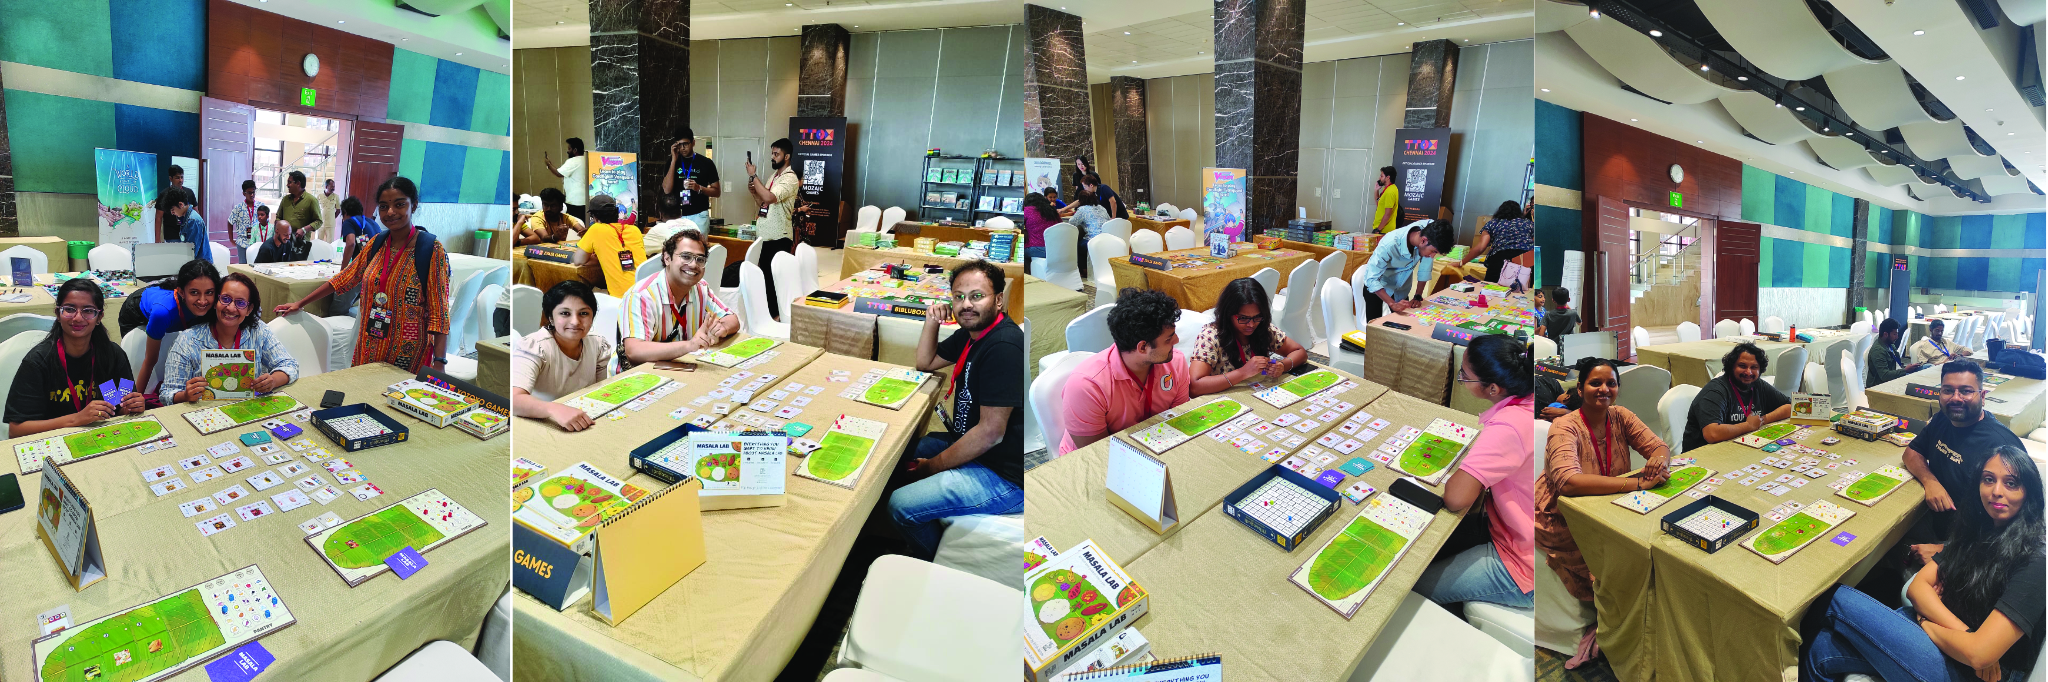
(640, 81)
(1133, 157)
(1056, 121)
(821, 76)
(1857, 250)
(10, 221)
(1258, 103)
(1432, 71)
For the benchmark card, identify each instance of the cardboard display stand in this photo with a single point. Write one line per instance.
(64, 520)
(1140, 485)
(645, 550)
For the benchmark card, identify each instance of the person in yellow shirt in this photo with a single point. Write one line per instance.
(614, 245)
(1387, 215)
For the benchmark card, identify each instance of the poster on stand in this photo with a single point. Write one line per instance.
(1422, 158)
(1040, 173)
(127, 186)
(1223, 202)
(612, 173)
(820, 157)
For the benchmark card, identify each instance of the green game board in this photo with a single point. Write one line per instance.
(368, 541)
(889, 391)
(153, 638)
(264, 407)
(727, 465)
(1679, 481)
(1429, 454)
(1206, 416)
(1776, 431)
(1788, 534)
(1311, 383)
(1083, 604)
(1353, 559)
(749, 348)
(624, 389)
(591, 505)
(1870, 487)
(839, 455)
(112, 437)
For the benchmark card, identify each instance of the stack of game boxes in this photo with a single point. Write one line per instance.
(1303, 230)
(946, 248)
(865, 238)
(924, 244)
(1003, 247)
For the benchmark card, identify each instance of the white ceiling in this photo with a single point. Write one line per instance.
(1163, 38)
(466, 36)
(562, 23)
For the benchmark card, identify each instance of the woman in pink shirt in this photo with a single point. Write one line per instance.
(1498, 369)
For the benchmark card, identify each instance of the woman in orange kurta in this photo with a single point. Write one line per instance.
(404, 320)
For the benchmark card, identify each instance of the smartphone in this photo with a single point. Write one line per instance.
(10, 493)
(331, 399)
(1407, 491)
(750, 156)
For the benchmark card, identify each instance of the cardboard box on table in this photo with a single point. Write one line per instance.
(635, 555)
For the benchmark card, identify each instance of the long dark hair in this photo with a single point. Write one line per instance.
(255, 300)
(1503, 361)
(99, 300)
(1034, 201)
(1981, 557)
(1236, 295)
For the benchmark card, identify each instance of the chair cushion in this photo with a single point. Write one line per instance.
(904, 601)
(1514, 628)
(439, 661)
(1421, 635)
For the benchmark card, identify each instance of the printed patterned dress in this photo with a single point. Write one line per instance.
(389, 274)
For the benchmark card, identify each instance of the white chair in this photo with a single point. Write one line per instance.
(1045, 396)
(1641, 387)
(1358, 296)
(1861, 326)
(1292, 311)
(807, 268)
(1788, 364)
(1329, 268)
(1101, 248)
(1861, 352)
(341, 344)
(220, 253)
(754, 304)
(714, 262)
(890, 216)
(1119, 227)
(1339, 319)
(981, 544)
(783, 268)
(1178, 237)
(303, 336)
(1164, 209)
(1689, 332)
(1194, 220)
(902, 600)
(610, 309)
(135, 344)
(1852, 388)
(1726, 328)
(249, 254)
(1675, 407)
(439, 661)
(1748, 327)
(1420, 636)
(1514, 628)
(1560, 619)
(999, 223)
(1059, 266)
(1087, 333)
(527, 317)
(110, 257)
(322, 250)
(870, 219)
(1772, 324)
(1544, 346)
(38, 262)
(648, 268)
(1187, 328)
(12, 350)
(19, 323)
(1829, 356)
(1147, 241)
(1268, 278)
(1816, 378)
(1638, 337)
(464, 305)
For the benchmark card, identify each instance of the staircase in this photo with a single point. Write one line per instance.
(1658, 269)
(1664, 289)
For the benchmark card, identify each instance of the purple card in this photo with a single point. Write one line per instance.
(406, 562)
(286, 432)
(241, 664)
(1787, 441)
(1331, 478)
(114, 389)
(1843, 539)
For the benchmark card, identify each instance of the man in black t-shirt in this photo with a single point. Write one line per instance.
(978, 466)
(691, 178)
(1737, 403)
(1947, 456)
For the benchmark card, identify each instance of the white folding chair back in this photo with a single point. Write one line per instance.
(1773, 324)
(1358, 296)
(12, 350)
(249, 254)
(527, 317)
(610, 310)
(1852, 394)
(1270, 279)
(807, 267)
(322, 249)
(890, 216)
(870, 219)
(304, 337)
(220, 253)
(1000, 223)
(1101, 248)
(1339, 319)
(1861, 326)
(1060, 265)
(110, 257)
(1119, 227)
(1748, 327)
(1638, 337)
(1293, 308)
(1815, 378)
(648, 268)
(1641, 387)
(484, 326)
(1194, 221)
(1544, 346)
(38, 262)
(135, 344)
(1188, 327)
(464, 301)
(1147, 241)
(1727, 328)
(1089, 333)
(28, 322)
(1329, 268)
(783, 268)
(754, 304)
(1045, 398)
(1861, 351)
(1178, 237)
(1788, 367)
(1164, 208)
(1690, 331)
(1675, 407)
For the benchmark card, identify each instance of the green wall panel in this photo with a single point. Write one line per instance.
(58, 156)
(412, 86)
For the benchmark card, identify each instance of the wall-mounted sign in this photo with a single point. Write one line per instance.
(1677, 200)
(307, 96)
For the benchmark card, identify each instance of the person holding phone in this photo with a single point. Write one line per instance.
(1387, 209)
(58, 384)
(692, 179)
(775, 228)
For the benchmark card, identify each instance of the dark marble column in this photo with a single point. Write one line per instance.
(1431, 73)
(1056, 122)
(1133, 156)
(821, 77)
(1258, 102)
(1859, 247)
(640, 78)
(10, 221)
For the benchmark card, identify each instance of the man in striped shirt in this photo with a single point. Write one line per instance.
(676, 313)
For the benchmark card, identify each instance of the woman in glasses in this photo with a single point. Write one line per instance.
(1499, 370)
(233, 327)
(404, 278)
(165, 309)
(1242, 343)
(58, 384)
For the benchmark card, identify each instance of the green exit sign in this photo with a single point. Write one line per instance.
(307, 97)
(1677, 200)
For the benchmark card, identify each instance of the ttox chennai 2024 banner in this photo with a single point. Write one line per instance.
(819, 164)
(127, 185)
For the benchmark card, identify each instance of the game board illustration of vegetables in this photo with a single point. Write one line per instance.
(217, 419)
(1433, 452)
(230, 374)
(89, 443)
(1779, 542)
(167, 635)
(1346, 569)
(568, 505)
(618, 391)
(740, 351)
(1180, 429)
(356, 550)
(1873, 487)
(1645, 501)
(894, 388)
(1300, 388)
(843, 451)
(1074, 595)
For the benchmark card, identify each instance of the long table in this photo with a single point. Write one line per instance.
(1197, 288)
(40, 302)
(1141, 222)
(1688, 360)
(907, 231)
(2017, 403)
(845, 331)
(742, 614)
(342, 633)
(857, 258)
(1411, 362)
(1670, 612)
(1206, 571)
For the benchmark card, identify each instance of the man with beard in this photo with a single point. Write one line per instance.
(977, 467)
(1932, 348)
(302, 211)
(1737, 403)
(777, 196)
(1884, 360)
(1947, 455)
(692, 179)
(1135, 378)
(670, 315)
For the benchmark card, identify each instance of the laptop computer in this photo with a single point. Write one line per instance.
(161, 260)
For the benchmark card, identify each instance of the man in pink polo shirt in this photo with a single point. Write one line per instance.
(1142, 375)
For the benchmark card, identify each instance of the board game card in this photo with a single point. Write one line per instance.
(230, 495)
(311, 526)
(266, 448)
(788, 412)
(158, 474)
(250, 512)
(310, 483)
(197, 507)
(1296, 441)
(291, 469)
(1306, 425)
(1265, 428)
(336, 464)
(366, 491)
(194, 462)
(1294, 463)
(1798, 482)
(1379, 424)
(216, 524)
(325, 494)
(265, 480)
(167, 486)
(274, 460)
(778, 396)
(349, 477)
(1358, 491)
(224, 450)
(1349, 446)
(1349, 428)
(1380, 456)
(237, 464)
(300, 445)
(1330, 440)
(318, 455)
(1274, 454)
(800, 401)
(1328, 416)
(207, 474)
(290, 499)
(1287, 419)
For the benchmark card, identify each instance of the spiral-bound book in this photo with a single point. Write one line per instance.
(646, 549)
(1199, 668)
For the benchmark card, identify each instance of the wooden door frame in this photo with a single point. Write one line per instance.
(1590, 233)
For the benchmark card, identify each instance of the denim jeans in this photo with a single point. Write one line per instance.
(962, 491)
(1475, 574)
(1864, 636)
(701, 221)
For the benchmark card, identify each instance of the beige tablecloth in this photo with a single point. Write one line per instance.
(41, 303)
(742, 614)
(2017, 403)
(276, 291)
(1050, 307)
(1668, 611)
(494, 365)
(855, 259)
(1139, 222)
(1411, 362)
(58, 250)
(342, 633)
(1197, 288)
(1688, 361)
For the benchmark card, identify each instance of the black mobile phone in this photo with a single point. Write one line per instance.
(10, 493)
(1396, 325)
(750, 156)
(1407, 491)
(331, 399)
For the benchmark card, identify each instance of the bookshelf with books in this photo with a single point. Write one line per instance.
(1000, 189)
(949, 190)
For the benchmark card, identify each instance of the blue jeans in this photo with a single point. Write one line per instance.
(1863, 636)
(1475, 574)
(966, 490)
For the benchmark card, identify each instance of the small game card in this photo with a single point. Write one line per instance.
(1295, 463)
(250, 512)
(349, 476)
(336, 464)
(194, 462)
(1329, 416)
(300, 445)
(291, 469)
(290, 499)
(216, 524)
(778, 396)
(197, 507)
(1287, 419)
(55, 619)
(309, 483)
(1294, 442)
(1244, 441)
(237, 464)
(231, 494)
(207, 474)
(274, 460)
(1349, 446)
(227, 449)
(159, 473)
(318, 455)
(800, 401)
(788, 412)
(366, 491)
(1379, 425)
(266, 448)
(1358, 491)
(265, 480)
(325, 494)
(1274, 454)
(168, 486)
(1265, 428)
(1306, 425)
(1330, 440)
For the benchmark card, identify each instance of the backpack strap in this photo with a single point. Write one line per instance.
(422, 250)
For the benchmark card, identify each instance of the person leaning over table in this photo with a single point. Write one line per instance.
(58, 383)
(179, 209)
(1390, 273)
(1946, 455)
(1039, 214)
(1587, 454)
(560, 358)
(1052, 194)
(1977, 607)
(1883, 359)
(1241, 343)
(278, 248)
(551, 225)
(404, 278)
(234, 327)
(676, 313)
(614, 245)
(1735, 404)
(1506, 237)
(1106, 196)
(1138, 376)
(1932, 348)
(977, 465)
(167, 308)
(1501, 461)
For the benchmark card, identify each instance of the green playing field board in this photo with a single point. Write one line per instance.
(369, 540)
(264, 407)
(1789, 534)
(1354, 559)
(838, 455)
(1429, 454)
(1312, 383)
(1875, 485)
(1679, 481)
(113, 437)
(624, 389)
(887, 391)
(1207, 416)
(1776, 431)
(148, 640)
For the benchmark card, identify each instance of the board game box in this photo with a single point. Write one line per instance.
(356, 549)
(570, 504)
(1079, 600)
(167, 635)
(843, 452)
(619, 391)
(230, 374)
(1435, 452)
(1300, 388)
(740, 351)
(359, 427)
(1779, 542)
(1346, 569)
(1282, 506)
(427, 402)
(1184, 427)
(88, 443)
(1709, 523)
(1646, 501)
(1873, 487)
(894, 388)
(524, 469)
(217, 419)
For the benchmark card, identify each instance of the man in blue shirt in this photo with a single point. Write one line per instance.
(178, 202)
(1391, 270)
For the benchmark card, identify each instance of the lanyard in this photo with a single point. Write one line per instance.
(682, 314)
(1940, 347)
(960, 367)
(238, 339)
(1602, 448)
(64, 359)
(389, 262)
(1739, 402)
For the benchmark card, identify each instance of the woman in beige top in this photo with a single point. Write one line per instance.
(1587, 454)
(559, 358)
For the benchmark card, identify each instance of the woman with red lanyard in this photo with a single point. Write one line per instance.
(1588, 454)
(404, 319)
(58, 383)
(1242, 344)
(233, 327)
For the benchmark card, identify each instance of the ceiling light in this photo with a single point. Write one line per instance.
(1699, 141)
(1595, 13)
(458, 54)
(1852, 132)
(1703, 67)
(1546, 89)
(1799, 108)
(2009, 133)
(1987, 111)
(1779, 106)
(1631, 120)
(1127, 32)
(1654, 33)
(1397, 23)
(1919, 33)
(1959, 77)
(1742, 78)
(344, 21)
(1825, 129)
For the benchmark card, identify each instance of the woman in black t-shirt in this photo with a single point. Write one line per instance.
(58, 383)
(1976, 607)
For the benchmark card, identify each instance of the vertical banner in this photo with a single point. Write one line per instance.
(820, 161)
(127, 187)
(1041, 173)
(1223, 202)
(1421, 161)
(611, 173)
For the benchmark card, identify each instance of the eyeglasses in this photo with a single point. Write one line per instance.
(1249, 319)
(75, 311)
(975, 296)
(1963, 391)
(691, 258)
(232, 302)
